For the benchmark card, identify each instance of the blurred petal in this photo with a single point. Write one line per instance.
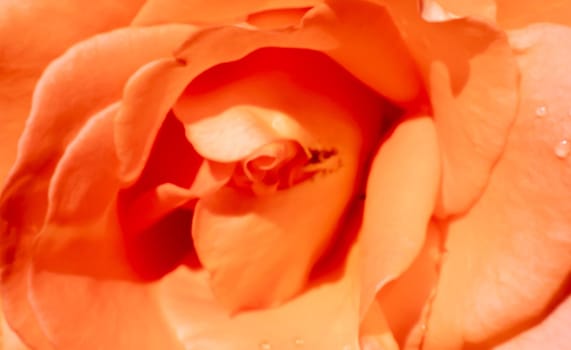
(395, 221)
(552, 333)
(210, 11)
(112, 314)
(472, 89)
(325, 316)
(511, 253)
(245, 240)
(26, 50)
(518, 14)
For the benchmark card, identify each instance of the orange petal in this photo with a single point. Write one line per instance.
(210, 11)
(69, 22)
(472, 89)
(57, 123)
(80, 207)
(518, 14)
(325, 316)
(509, 255)
(551, 333)
(113, 314)
(395, 221)
(245, 241)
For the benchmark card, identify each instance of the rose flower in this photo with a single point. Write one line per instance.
(306, 174)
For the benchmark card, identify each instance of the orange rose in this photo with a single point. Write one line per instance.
(283, 175)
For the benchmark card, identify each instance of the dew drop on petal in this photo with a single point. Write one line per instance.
(265, 346)
(562, 149)
(541, 111)
(299, 342)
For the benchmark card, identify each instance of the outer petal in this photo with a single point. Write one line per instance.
(26, 50)
(24, 199)
(551, 333)
(509, 256)
(324, 317)
(395, 221)
(472, 89)
(208, 11)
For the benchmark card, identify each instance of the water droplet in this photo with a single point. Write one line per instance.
(563, 149)
(299, 342)
(423, 327)
(541, 111)
(265, 346)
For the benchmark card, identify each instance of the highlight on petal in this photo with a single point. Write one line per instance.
(509, 256)
(325, 316)
(211, 11)
(473, 92)
(395, 221)
(479, 9)
(300, 127)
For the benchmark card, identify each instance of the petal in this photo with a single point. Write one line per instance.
(215, 12)
(513, 15)
(472, 89)
(551, 333)
(509, 256)
(79, 232)
(395, 221)
(323, 317)
(20, 68)
(71, 79)
(405, 301)
(112, 314)
(244, 241)
(160, 84)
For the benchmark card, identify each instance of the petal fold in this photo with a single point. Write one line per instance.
(395, 221)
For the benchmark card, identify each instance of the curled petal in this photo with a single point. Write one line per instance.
(300, 185)
(395, 221)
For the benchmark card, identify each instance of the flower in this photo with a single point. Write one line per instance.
(300, 174)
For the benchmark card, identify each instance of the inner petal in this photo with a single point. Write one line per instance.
(300, 129)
